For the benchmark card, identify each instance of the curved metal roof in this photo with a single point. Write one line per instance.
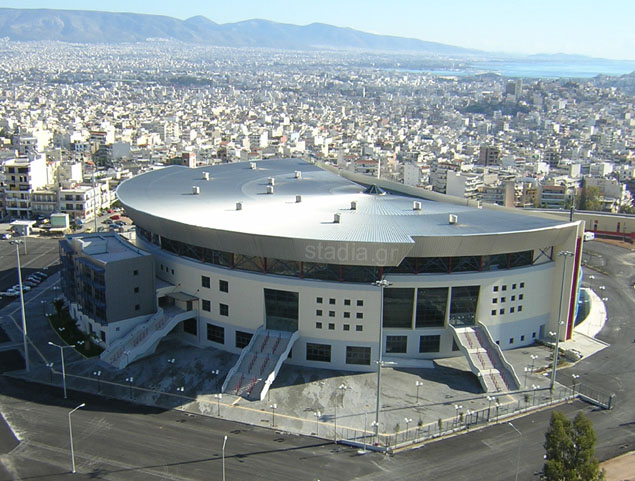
(164, 202)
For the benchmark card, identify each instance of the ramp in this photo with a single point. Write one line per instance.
(259, 363)
(486, 359)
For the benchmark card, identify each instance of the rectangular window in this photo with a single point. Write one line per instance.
(495, 300)
(513, 286)
(520, 308)
(429, 343)
(331, 326)
(521, 297)
(522, 284)
(318, 325)
(216, 333)
(359, 315)
(189, 326)
(318, 312)
(522, 338)
(347, 315)
(135, 272)
(137, 307)
(205, 282)
(359, 328)
(358, 355)
(396, 344)
(503, 299)
(511, 340)
(319, 300)
(495, 288)
(206, 305)
(318, 352)
(360, 303)
(493, 312)
(281, 309)
(223, 286)
(331, 301)
(511, 310)
(398, 304)
(502, 311)
(136, 290)
(463, 303)
(432, 305)
(347, 302)
(224, 309)
(513, 298)
(331, 313)
(504, 288)
(242, 339)
(346, 327)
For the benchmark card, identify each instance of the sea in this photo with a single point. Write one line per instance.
(553, 69)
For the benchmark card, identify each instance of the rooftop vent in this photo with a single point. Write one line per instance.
(298, 174)
(271, 181)
(374, 190)
(354, 205)
(298, 198)
(196, 190)
(270, 189)
(252, 165)
(239, 206)
(453, 219)
(416, 205)
(337, 218)
(205, 175)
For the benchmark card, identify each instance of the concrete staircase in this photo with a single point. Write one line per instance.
(486, 359)
(259, 363)
(142, 340)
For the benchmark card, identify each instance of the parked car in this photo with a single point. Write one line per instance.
(6, 235)
(29, 283)
(115, 217)
(40, 274)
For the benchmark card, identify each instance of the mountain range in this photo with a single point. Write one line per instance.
(79, 26)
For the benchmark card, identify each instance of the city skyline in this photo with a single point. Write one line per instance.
(579, 28)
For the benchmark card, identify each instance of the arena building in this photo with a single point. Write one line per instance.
(287, 261)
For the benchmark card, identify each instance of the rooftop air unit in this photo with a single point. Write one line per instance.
(453, 219)
(416, 205)
(354, 205)
(270, 189)
(298, 199)
(252, 165)
(298, 174)
(205, 175)
(337, 218)
(271, 181)
(196, 190)
(239, 206)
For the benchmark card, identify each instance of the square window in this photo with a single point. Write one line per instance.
(520, 308)
(513, 298)
(511, 309)
(347, 302)
(522, 338)
(135, 272)
(522, 284)
(205, 282)
(318, 300)
(359, 328)
(331, 301)
(216, 333)
(493, 312)
(495, 288)
(358, 355)
(503, 299)
(331, 326)
(242, 339)
(511, 340)
(347, 315)
(429, 343)
(223, 286)
(206, 305)
(224, 309)
(495, 300)
(513, 286)
(360, 303)
(331, 313)
(136, 290)
(502, 311)
(318, 312)
(504, 288)
(318, 325)
(521, 297)
(318, 352)
(359, 315)
(346, 327)
(398, 344)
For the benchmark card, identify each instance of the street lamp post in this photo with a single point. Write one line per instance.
(520, 436)
(341, 388)
(273, 407)
(382, 284)
(407, 421)
(418, 384)
(70, 432)
(130, 380)
(533, 359)
(317, 415)
(574, 378)
(534, 387)
(27, 364)
(97, 374)
(564, 254)
(50, 366)
(61, 348)
(224, 443)
(218, 397)
(457, 407)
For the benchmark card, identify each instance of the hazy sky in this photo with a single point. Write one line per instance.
(589, 27)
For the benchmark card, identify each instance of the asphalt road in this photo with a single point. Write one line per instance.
(118, 441)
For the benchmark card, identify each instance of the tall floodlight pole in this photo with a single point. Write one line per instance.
(224, 442)
(70, 432)
(520, 437)
(27, 364)
(564, 254)
(382, 284)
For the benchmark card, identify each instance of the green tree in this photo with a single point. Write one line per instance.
(590, 198)
(570, 450)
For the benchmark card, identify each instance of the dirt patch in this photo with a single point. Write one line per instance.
(625, 245)
(621, 468)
